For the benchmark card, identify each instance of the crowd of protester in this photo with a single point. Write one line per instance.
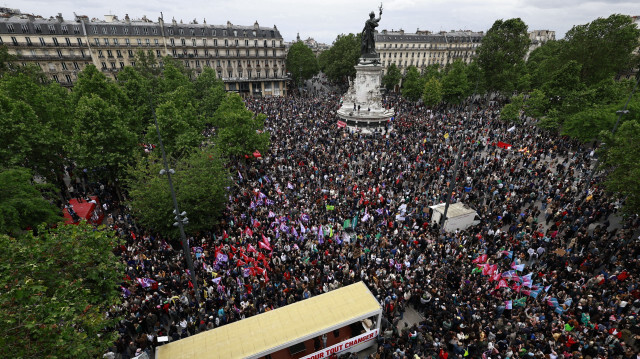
(547, 273)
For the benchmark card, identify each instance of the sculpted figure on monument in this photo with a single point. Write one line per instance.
(368, 46)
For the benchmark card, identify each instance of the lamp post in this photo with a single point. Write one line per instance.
(180, 217)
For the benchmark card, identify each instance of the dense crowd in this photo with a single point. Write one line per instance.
(547, 273)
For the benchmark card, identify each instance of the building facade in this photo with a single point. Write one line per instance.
(424, 48)
(539, 38)
(249, 59)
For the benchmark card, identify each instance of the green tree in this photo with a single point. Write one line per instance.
(537, 104)
(338, 62)
(23, 203)
(501, 54)
(180, 123)
(602, 47)
(511, 111)
(432, 70)
(621, 160)
(34, 118)
(102, 139)
(209, 93)
(200, 182)
(239, 131)
(413, 84)
(6, 60)
(56, 289)
(392, 78)
(455, 84)
(586, 125)
(301, 62)
(432, 94)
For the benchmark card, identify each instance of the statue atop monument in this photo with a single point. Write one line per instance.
(368, 46)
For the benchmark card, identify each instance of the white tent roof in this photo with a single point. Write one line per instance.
(455, 209)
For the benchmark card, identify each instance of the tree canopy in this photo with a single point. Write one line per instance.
(200, 183)
(392, 78)
(24, 203)
(501, 54)
(338, 62)
(57, 287)
(301, 62)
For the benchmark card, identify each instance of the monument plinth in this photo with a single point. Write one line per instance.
(362, 104)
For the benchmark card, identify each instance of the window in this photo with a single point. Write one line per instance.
(181, 31)
(109, 53)
(115, 42)
(55, 42)
(148, 42)
(130, 53)
(106, 42)
(42, 42)
(126, 42)
(25, 28)
(226, 42)
(155, 31)
(100, 53)
(55, 77)
(28, 41)
(215, 42)
(104, 65)
(64, 66)
(139, 42)
(197, 63)
(265, 43)
(155, 41)
(38, 29)
(204, 42)
(113, 65)
(96, 41)
(145, 30)
(255, 43)
(206, 52)
(273, 43)
(79, 41)
(104, 30)
(183, 42)
(95, 29)
(76, 29)
(136, 31)
(121, 65)
(158, 54)
(75, 66)
(68, 41)
(10, 28)
(126, 31)
(64, 29)
(15, 41)
(82, 53)
(193, 42)
(68, 77)
(224, 33)
(173, 42)
(236, 42)
(133, 63)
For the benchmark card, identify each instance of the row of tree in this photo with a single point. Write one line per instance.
(58, 282)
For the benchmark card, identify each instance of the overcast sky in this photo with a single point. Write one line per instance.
(325, 19)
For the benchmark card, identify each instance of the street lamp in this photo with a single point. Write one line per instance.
(180, 217)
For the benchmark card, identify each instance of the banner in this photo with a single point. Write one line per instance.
(342, 124)
(504, 145)
(367, 337)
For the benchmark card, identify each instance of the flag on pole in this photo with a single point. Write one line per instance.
(508, 304)
(480, 259)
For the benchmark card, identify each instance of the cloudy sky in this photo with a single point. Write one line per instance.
(325, 19)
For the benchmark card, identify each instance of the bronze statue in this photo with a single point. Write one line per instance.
(368, 46)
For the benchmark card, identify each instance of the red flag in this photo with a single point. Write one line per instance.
(225, 235)
(504, 145)
(264, 246)
(342, 124)
(266, 239)
(251, 248)
(256, 154)
(481, 259)
(240, 263)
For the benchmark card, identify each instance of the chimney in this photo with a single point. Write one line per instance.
(59, 17)
(255, 25)
(229, 24)
(127, 19)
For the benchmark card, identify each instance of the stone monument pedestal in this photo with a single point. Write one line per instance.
(364, 92)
